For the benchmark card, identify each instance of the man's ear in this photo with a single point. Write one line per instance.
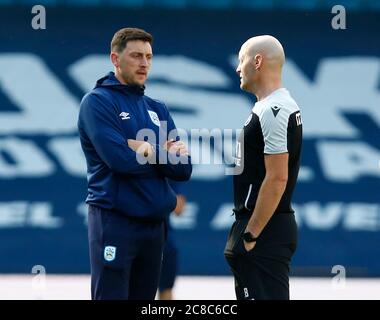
(258, 61)
(114, 59)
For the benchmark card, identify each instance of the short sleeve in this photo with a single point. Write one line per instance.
(274, 125)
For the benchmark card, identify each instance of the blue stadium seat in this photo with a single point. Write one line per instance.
(212, 4)
(82, 2)
(41, 2)
(215, 4)
(297, 4)
(124, 3)
(167, 3)
(254, 4)
(373, 5)
(348, 4)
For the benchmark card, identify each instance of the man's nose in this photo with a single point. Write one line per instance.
(144, 62)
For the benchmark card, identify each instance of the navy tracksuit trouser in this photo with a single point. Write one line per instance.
(125, 255)
(170, 261)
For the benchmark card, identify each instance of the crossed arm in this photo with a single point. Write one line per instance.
(178, 170)
(144, 148)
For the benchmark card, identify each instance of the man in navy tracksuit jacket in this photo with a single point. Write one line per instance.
(129, 196)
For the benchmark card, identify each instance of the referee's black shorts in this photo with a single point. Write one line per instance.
(263, 272)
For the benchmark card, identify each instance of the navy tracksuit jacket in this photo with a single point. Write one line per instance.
(128, 201)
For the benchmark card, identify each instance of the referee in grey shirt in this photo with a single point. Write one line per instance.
(263, 238)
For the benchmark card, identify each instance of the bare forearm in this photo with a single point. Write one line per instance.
(267, 201)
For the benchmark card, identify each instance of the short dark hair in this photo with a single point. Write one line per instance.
(121, 37)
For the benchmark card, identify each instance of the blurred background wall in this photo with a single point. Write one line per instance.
(332, 73)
